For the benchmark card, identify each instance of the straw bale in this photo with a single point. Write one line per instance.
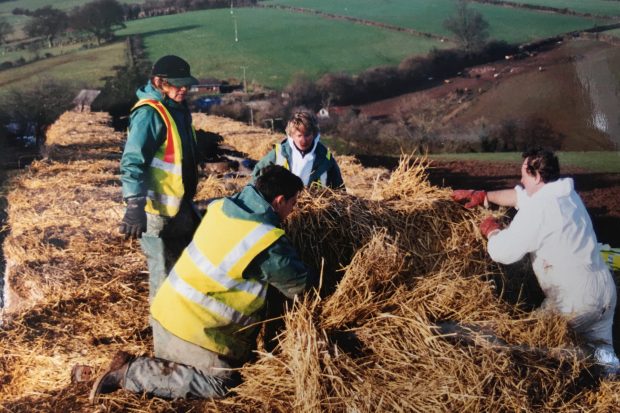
(330, 226)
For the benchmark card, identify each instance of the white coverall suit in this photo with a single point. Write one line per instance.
(555, 228)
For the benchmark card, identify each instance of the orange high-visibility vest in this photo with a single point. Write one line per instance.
(165, 178)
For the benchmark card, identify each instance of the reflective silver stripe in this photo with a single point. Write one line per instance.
(323, 178)
(168, 200)
(220, 274)
(279, 158)
(243, 246)
(207, 302)
(166, 166)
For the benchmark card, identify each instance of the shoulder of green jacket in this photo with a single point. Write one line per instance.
(250, 205)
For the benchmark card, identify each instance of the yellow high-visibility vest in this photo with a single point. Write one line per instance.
(165, 178)
(282, 161)
(205, 299)
(611, 256)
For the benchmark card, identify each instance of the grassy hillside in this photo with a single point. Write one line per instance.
(512, 25)
(603, 162)
(615, 32)
(273, 44)
(30, 55)
(85, 67)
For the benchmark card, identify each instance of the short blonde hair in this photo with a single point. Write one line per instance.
(304, 122)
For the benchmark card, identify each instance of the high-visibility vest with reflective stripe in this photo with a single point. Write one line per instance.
(165, 178)
(282, 161)
(611, 256)
(205, 299)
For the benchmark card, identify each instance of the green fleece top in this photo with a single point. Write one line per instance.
(146, 134)
(279, 265)
(319, 166)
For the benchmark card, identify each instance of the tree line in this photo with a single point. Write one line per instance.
(100, 18)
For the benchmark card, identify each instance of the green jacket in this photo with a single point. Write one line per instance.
(321, 164)
(146, 134)
(278, 265)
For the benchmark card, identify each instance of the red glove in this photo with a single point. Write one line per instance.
(488, 225)
(475, 198)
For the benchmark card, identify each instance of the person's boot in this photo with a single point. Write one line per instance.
(113, 378)
(607, 361)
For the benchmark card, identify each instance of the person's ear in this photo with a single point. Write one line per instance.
(157, 81)
(277, 202)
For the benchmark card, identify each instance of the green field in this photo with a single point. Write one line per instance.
(596, 7)
(30, 55)
(602, 162)
(84, 68)
(273, 45)
(509, 24)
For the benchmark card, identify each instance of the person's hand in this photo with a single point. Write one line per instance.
(488, 226)
(134, 221)
(473, 197)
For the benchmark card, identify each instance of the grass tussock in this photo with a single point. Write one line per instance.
(410, 316)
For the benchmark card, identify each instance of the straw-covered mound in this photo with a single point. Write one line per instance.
(251, 140)
(411, 315)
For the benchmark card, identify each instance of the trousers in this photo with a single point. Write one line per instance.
(180, 370)
(165, 239)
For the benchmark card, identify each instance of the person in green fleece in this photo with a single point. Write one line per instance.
(207, 313)
(303, 154)
(159, 171)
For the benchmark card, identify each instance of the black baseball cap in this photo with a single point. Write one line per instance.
(175, 70)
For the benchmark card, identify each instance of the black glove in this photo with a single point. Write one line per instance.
(134, 221)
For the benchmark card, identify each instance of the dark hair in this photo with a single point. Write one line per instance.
(276, 180)
(544, 162)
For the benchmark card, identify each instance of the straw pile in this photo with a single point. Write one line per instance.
(411, 314)
(253, 141)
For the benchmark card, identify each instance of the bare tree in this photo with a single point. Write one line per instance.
(48, 22)
(5, 29)
(40, 104)
(469, 27)
(303, 91)
(98, 17)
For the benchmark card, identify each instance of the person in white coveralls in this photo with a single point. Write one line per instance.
(553, 226)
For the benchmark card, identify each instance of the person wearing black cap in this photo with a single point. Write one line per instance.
(159, 168)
